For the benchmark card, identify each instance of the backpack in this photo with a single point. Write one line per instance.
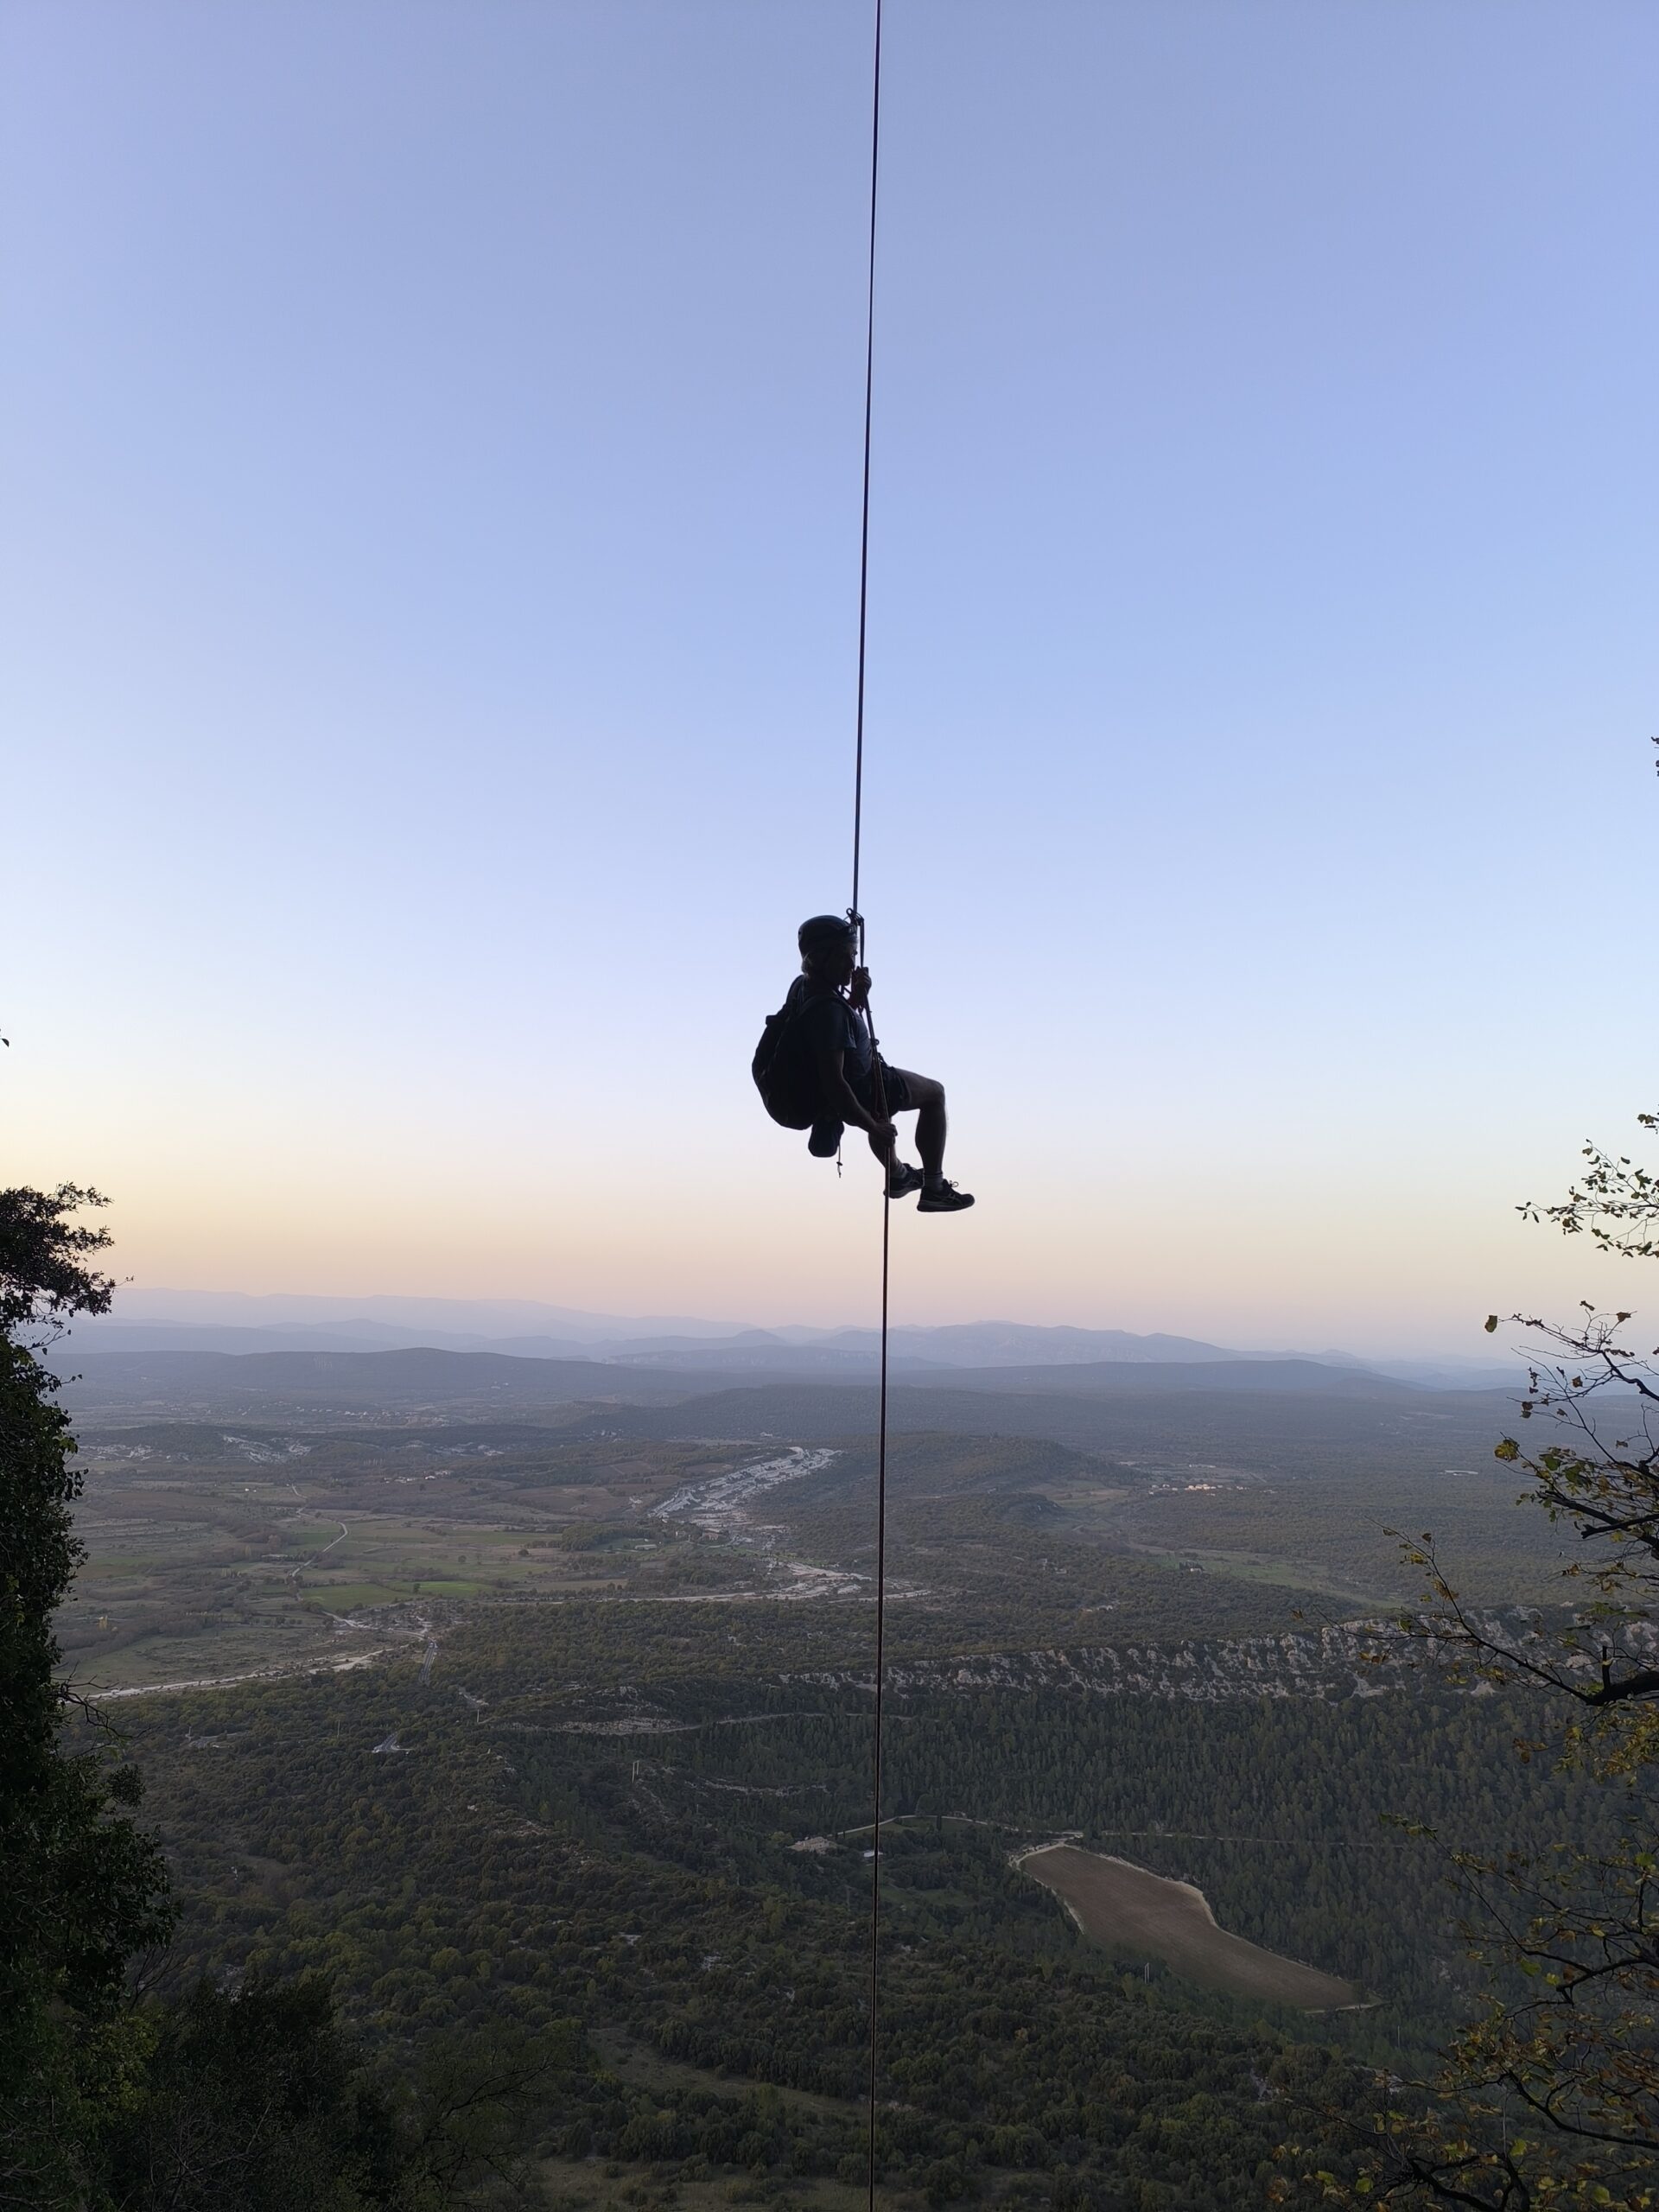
(784, 1071)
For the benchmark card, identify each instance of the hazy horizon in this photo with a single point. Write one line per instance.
(153, 1305)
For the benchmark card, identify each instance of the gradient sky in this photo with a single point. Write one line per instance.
(430, 464)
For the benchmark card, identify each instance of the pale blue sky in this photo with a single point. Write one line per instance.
(431, 439)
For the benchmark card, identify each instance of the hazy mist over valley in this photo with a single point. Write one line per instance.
(161, 1320)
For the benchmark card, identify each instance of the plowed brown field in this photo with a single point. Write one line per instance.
(1143, 1916)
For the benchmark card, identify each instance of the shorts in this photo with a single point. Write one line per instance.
(895, 1092)
(824, 1141)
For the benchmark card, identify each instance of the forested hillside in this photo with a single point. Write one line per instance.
(523, 1726)
(658, 1831)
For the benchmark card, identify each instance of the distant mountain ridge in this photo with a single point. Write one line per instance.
(962, 1343)
(1075, 1403)
(157, 1321)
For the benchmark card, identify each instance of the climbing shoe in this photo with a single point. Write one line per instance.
(903, 1180)
(825, 1139)
(943, 1197)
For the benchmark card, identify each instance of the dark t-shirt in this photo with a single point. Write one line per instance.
(828, 1024)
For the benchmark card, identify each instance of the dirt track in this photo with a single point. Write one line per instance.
(1143, 1915)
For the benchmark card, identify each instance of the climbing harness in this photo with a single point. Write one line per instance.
(855, 917)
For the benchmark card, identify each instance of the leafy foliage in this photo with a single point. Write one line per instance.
(1618, 1202)
(44, 1277)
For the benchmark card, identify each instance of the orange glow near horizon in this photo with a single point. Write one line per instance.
(761, 1235)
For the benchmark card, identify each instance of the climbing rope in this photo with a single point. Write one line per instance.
(880, 1653)
(864, 517)
(857, 919)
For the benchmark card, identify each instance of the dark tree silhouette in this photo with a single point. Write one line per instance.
(85, 1889)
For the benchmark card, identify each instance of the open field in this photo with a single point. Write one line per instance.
(1329, 1532)
(321, 1530)
(216, 1553)
(221, 1549)
(1140, 1915)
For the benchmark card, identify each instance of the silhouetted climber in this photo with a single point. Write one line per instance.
(817, 1067)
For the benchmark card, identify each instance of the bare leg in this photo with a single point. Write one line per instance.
(928, 1098)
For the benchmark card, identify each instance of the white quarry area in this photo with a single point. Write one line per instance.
(720, 1506)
